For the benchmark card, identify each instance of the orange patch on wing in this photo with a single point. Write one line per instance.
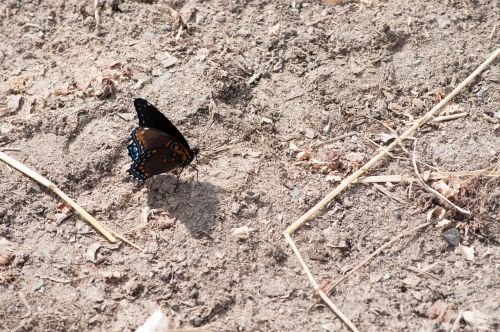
(181, 152)
(167, 143)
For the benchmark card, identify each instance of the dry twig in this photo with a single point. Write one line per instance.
(433, 176)
(338, 138)
(450, 117)
(316, 287)
(419, 271)
(105, 231)
(97, 15)
(10, 149)
(457, 321)
(26, 304)
(61, 281)
(375, 253)
(297, 95)
(431, 190)
(386, 192)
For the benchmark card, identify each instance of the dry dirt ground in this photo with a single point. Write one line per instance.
(252, 84)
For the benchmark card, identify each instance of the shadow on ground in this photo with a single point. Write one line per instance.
(192, 203)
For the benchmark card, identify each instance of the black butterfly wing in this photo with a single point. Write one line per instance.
(155, 152)
(150, 116)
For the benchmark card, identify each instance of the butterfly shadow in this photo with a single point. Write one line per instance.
(192, 203)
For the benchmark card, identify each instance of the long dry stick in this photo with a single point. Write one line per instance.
(105, 231)
(353, 177)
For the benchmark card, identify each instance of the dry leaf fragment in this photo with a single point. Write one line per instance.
(6, 251)
(303, 155)
(108, 88)
(477, 319)
(468, 252)
(91, 252)
(117, 66)
(63, 208)
(165, 221)
(436, 213)
(444, 189)
(375, 277)
(114, 276)
(441, 311)
(157, 322)
(293, 147)
(325, 285)
(60, 217)
(275, 30)
(17, 84)
(444, 223)
(333, 178)
(452, 109)
(242, 232)
(384, 137)
(267, 120)
(352, 161)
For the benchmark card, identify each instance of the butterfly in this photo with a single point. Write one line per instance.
(157, 146)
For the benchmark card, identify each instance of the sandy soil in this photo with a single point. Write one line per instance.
(246, 81)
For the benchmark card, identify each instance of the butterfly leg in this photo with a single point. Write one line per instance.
(178, 179)
(196, 173)
(177, 182)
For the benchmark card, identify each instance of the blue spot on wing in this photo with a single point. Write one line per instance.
(133, 151)
(136, 173)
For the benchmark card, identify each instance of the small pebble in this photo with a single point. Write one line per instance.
(139, 85)
(295, 192)
(451, 236)
(38, 285)
(279, 255)
(166, 27)
(443, 22)
(309, 133)
(14, 102)
(418, 104)
(220, 17)
(196, 321)
(244, 32)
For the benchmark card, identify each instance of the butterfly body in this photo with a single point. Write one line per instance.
(157, 146)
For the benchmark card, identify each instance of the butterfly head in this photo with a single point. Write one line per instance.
(192, 155)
